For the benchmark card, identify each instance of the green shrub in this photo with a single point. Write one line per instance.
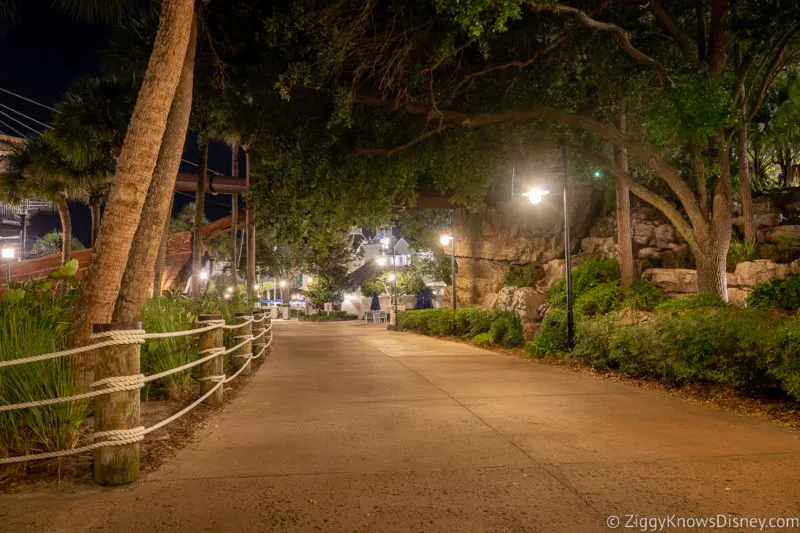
(159, 315)
(513, 339)
(588, 275)
(740, 251)
(437, 322)
(552, 338)
(600, 299)
(33, 322)
(373, 285)
(692, 302)
(484, 339)
(646, 296)
(473, 320)
(778, 293)
(523, 276)
(499, 329)
(784, 363)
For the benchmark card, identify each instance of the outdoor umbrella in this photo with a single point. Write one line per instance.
(420, 301)
(376, 303)
(427, 300)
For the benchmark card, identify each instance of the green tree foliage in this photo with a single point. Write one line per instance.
(50, 244)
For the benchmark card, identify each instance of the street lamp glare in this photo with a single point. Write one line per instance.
(203, 275)
(8, 253)
(283, 283)
(392, 277)
(381, 261)
(535, 196)
(310, 280)
(227, 296)
(230, 289)
(444, 240)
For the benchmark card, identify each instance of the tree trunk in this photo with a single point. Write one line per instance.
(250, 223)
(200, 209)
(157, 205)
(711, 269)
(94, 208)
(624, 233)
(66, 227)
(134, 172)
(234, 215)
(746, 187)
(161, 259)
(713, 243)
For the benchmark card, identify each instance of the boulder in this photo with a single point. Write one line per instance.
(524, 301)
(749, 273)
(489, 301)
(737, 296)
(553, 271)
(673, 280)
(783, 235)
(760, 221)
(602, 246)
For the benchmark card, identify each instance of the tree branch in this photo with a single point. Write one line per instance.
(716, 35)
(621, 34)
(641, 150)
(673, 31)
(444, 58)
(772, 69)
(409, 144)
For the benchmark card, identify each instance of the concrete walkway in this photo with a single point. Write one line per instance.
(350, 428)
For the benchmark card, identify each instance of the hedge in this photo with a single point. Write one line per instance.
(485, 327)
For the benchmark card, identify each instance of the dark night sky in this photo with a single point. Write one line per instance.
(41, 55)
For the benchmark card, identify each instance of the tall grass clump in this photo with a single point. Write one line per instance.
(32, 323)
(168, 313)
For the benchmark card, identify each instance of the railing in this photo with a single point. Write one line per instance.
(115, 392)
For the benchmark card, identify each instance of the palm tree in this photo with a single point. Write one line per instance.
(137, 161)
(89, 129)
(52, 243)
(37, 170)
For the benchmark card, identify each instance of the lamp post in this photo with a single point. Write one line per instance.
(393, 278)
(451, 239)
(535, 196)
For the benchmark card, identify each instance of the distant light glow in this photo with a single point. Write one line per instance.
(203, 274)
(8, 253)
(227, 296)
(392, 277)
(597, 174)
(445, 240)
(381, 261)
(309, 280)
(230, 289)
(535, 196)
(282, 283)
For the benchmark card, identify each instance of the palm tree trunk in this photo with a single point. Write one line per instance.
(94, 208)
(200, 208)
(234, 215)
(149, 240)
(137, 162)
(250, 224)
(66, 227)
(161, 259)
(624, 232)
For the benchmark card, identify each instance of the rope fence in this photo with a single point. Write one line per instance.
(210, 332)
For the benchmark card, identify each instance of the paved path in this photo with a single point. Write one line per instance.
(350, 428)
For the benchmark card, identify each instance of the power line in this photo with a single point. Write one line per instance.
(14, 130)
(26, 116)
(196, 165)
(27, 99)
(207, 200)
(20, 123)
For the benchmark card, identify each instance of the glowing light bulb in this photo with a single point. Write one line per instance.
(535, 196)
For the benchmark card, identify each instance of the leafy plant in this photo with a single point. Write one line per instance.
(552, 337)
(600, 299)
(523, 276)
(372, 285)
(484, 339)
(778, 293)
(50, 244)
(739, 252)
(646, 296)
(437, 322)
(588, 275)
(473, 320)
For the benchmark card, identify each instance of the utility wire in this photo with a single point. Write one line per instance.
(37, 132)
(27, 99)
(14, 130)
(192, 196)
(196, 165)
(26, 116)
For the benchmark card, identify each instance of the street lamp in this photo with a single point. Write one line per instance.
(309, 280)
(535, 196)
(203, 274)
(230, 290)
(381, 261)
(8, 253)
(451, 239)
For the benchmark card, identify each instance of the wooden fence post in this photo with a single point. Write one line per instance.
(213, 370)
(258, 327)
(246, 350)
(116, 465)
(268, 324)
